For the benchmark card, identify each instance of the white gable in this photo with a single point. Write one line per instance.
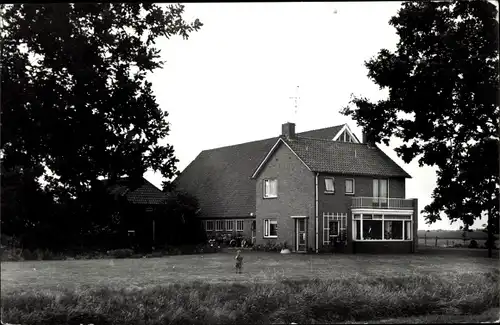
(345, 135)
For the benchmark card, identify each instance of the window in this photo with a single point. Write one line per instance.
(334, 227)
(270, 228)
(393, 229)
(345, 137)
(219, 225)
(239, 225)
(229, 225)
(382, 227)
(349, 186)
(372, 229)
(209, 226)
(270, 188)
(329, 185)
(380, 192)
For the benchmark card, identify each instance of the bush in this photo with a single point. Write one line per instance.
(300, 301)
(12, 254)
(473, 244)
(121, 253)
(270, 246)
(29, 255)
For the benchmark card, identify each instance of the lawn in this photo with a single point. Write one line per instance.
(273, 288)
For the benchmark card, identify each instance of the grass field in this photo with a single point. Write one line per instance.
(273, 288)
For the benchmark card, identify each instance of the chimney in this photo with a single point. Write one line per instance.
(288, 130)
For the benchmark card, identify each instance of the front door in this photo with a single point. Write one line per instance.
(301, 235)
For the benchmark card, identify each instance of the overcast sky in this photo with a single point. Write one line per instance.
(231, 81)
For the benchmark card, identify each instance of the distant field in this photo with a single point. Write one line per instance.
(431, 241)
(453, 234)
(274, 288)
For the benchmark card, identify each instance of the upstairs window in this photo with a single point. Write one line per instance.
(270, 188)
(330, 185)
(380, 192)
(349, 186)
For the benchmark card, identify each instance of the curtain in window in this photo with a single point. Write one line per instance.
(274, 187)
(383, 191)
(329, 185)
(407, 230)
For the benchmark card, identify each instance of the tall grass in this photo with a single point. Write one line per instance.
(281, 301)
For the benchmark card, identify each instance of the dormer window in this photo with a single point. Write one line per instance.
(345, 135)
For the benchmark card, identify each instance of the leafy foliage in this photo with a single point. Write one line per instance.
(75, 96)
(178, 220)
(443, 88)
(76, 102)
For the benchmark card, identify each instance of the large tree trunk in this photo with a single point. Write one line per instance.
(490, 215)
(490, 233)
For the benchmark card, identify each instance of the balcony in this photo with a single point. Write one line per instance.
(381, 203)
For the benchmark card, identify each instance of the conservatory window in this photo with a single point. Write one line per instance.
(382, 227)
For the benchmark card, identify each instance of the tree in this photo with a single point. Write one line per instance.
(75, 98)
(442, 83)
(181, 224)
(74, 95)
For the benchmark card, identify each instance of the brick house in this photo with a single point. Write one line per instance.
(312, 190)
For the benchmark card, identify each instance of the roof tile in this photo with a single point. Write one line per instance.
(345, 158)
(220, 178)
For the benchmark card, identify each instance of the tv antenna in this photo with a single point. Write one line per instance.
(295, 101)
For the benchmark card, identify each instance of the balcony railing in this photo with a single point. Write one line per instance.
(381, 203)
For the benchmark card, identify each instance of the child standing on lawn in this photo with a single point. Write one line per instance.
(239, 261)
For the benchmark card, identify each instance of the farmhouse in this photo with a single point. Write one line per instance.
(313, 190)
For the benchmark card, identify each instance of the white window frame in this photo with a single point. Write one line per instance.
(342, 224)
(383, 218)
(270, 195)
(333, 183)
(211, 222)
(238, 224)
(267, 228)
(353, 186)
(219, 223)
(229, 225)
(346, 137)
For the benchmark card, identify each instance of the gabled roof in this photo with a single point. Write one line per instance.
(220, 178)
(146, 193)
(345, 158)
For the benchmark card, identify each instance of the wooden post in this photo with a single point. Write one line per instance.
(447, 243)
(436, 241)
(425, 239)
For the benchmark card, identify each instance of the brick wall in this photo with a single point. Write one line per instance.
(295, 198)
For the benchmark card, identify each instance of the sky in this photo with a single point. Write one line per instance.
(231, 81)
